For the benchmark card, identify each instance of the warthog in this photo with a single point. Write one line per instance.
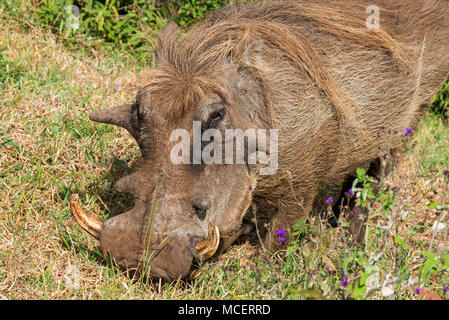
(325, 74)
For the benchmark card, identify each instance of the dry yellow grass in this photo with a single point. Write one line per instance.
(33, 212)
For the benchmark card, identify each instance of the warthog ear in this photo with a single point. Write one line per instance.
(125, 116)
(254, 97)
(253, 91)
(119, 116)
(166, 39)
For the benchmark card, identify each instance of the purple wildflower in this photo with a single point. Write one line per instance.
(329, 200)
(329, 271)
(356, 209)
(446, 172)
(344, 283)
(281, 233)
(250, 187)
(282, 240)
(229, 268)
(346, 276)
(445, 288)
(407, 131)
(351, 192)
(417, 290)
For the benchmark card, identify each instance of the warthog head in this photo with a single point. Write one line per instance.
(181, 210)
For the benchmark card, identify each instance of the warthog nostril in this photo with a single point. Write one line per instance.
(201, 204)
(201, 214)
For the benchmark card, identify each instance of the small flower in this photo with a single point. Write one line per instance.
(250, 187)
(395, 188)
(229, 268)
(346, 276)
(445, 288)
(329, 200)
(281, 233)
(329, 271)
(344, 283)
(350, 192)
(282, 240)
(417, 290)
(407, 131)
(446, 172)
(356, 209)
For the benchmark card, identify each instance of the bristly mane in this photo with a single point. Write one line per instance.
(189, 66)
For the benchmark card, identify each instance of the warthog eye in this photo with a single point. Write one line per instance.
(215, 117)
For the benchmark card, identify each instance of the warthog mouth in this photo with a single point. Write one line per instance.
(171, 261)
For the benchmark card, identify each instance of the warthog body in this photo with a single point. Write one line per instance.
(311, 69)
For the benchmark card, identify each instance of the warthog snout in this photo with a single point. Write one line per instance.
(167, 256)
(135, 245)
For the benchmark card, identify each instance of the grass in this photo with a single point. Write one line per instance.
(49, 150)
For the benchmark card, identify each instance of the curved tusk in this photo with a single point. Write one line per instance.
(209, 246)
(88, 223)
